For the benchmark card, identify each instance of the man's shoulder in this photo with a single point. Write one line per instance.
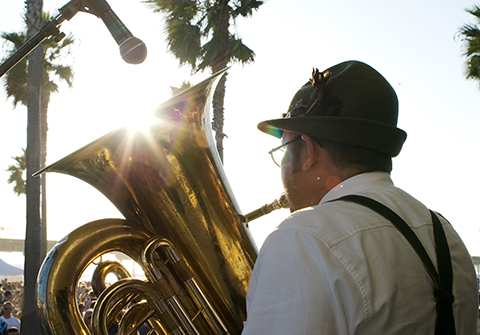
(336, 221)
(331, 222)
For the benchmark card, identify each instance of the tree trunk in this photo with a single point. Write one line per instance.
(43, 159)
(35, 237)
(218, 114)
(221, 32)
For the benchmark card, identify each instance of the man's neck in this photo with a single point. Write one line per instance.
(317, 187)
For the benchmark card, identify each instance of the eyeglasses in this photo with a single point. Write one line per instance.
(277, 153)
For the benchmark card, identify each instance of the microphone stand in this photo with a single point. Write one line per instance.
(50, 29)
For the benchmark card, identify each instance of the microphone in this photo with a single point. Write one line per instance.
(132, 49)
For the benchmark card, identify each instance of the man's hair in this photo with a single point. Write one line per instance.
(362, 160)
(346, 156)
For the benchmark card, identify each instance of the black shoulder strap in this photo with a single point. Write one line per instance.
(445, 297)
(443, 279)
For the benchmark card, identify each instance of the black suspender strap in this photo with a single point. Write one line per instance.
(443, 279)
(444, 297)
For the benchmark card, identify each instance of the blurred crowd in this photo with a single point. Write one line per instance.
(86, 302)
(11, 297)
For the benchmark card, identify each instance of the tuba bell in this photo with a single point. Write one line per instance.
(181, 225)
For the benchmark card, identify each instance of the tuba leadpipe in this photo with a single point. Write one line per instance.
(279, 203)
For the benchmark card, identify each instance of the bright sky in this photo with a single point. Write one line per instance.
(413, 44)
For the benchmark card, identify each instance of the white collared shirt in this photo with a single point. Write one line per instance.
(340, 268)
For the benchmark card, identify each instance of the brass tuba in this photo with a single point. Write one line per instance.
(182, 225)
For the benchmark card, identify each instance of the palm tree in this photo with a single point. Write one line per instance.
(31, 82)
(16, 88)
(471, 35)
(198, 34)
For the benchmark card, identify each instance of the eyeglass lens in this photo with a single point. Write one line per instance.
(277, 155)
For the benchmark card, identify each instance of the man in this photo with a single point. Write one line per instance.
(8, 317)
(357, 255)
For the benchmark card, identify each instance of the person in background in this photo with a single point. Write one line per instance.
(357, 255)
(8, 317)
(7, 295)
(89, 299)
(87, 318)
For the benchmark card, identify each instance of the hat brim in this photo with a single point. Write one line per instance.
(358, 132)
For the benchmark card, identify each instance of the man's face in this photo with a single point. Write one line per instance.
(291, 164)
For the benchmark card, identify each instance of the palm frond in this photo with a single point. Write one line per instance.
(470, 31)
(246, 7)
(473, 68)
(473, 47)
(175, 90)
(16, 173)
(475, 11)
(161, 5)
(214, 51)
(63, 72)
(470, 34)
(15, 80)
(184, 40)
(16, 83)
(182, 9)
(50, 86)
(17, 39)
(66, 42)
(241, 52)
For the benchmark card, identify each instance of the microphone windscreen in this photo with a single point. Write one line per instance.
(133, 50)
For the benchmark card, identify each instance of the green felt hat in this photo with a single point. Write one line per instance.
(349, 103)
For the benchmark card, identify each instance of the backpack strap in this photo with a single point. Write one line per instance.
(443, 279)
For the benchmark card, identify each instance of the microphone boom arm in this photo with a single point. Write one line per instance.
(123, 37)
(49, 29)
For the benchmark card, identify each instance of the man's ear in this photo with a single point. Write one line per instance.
(310, 155)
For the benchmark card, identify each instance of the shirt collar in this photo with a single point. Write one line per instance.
(359, 183)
